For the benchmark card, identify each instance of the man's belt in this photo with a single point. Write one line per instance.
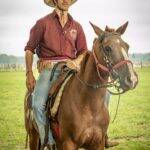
(47, 64)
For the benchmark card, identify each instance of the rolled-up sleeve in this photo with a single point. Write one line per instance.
(36, 34)
(81, 44)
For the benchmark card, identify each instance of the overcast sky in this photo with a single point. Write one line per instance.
(18, 16)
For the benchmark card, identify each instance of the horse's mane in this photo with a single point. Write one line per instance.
(84, 60)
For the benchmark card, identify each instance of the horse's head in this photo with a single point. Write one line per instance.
(111, 55)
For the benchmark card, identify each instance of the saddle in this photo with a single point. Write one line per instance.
(57, 87)
(54, 98)
(65, 75)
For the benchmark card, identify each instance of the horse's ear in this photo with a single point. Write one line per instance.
(122, 29)
(106, 28)
(97, 30)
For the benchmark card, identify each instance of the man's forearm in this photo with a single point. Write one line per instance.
(29, 61)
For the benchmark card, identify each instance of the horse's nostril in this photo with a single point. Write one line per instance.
(128, 81)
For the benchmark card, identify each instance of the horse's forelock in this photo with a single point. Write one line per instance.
(108, 29)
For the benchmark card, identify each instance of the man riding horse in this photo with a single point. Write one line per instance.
(55, 37)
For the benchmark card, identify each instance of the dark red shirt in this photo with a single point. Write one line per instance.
(54, 42)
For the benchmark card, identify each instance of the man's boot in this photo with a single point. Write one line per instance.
(42, 147)
(109, 144)
(51, 147)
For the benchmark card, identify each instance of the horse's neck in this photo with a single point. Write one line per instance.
(89, 71)
(93, 98)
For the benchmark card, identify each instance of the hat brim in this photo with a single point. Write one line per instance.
(51, 2)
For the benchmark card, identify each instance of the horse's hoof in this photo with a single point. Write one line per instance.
(109, 144)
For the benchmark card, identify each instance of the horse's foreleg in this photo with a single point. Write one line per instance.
(99, 146)
(34, 141)
(59, 146)
(69, 145)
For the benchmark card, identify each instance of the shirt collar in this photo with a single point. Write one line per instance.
(55, 15)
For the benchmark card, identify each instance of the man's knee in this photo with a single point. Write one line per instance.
(38, 104)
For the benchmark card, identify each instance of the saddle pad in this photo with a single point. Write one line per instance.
(54, 109)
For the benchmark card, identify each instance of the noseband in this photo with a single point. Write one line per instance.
(109, 68)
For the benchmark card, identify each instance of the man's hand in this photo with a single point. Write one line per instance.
(30, 81)
(75, 63)
(72, 64)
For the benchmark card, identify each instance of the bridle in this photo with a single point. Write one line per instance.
(110, 68)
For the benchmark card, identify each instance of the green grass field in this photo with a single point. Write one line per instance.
(131, 127)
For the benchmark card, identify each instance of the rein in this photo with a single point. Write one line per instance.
(94, 86)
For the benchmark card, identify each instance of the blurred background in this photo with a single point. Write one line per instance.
(17, 17)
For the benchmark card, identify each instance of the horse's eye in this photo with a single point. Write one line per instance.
(107, 49)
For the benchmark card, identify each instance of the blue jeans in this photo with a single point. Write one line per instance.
(39, 98)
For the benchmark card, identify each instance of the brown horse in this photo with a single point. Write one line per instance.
(83, 116)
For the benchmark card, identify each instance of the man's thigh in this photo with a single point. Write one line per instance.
(43, 85)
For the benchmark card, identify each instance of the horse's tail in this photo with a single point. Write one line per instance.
(26, 144)
(26, 107)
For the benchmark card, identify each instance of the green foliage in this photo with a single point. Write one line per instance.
(12, 133)
(10, 59)
(144, 58)
(131, 127)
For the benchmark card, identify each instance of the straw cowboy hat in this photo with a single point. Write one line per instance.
(51, 2)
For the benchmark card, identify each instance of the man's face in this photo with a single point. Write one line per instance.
(63, 4)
